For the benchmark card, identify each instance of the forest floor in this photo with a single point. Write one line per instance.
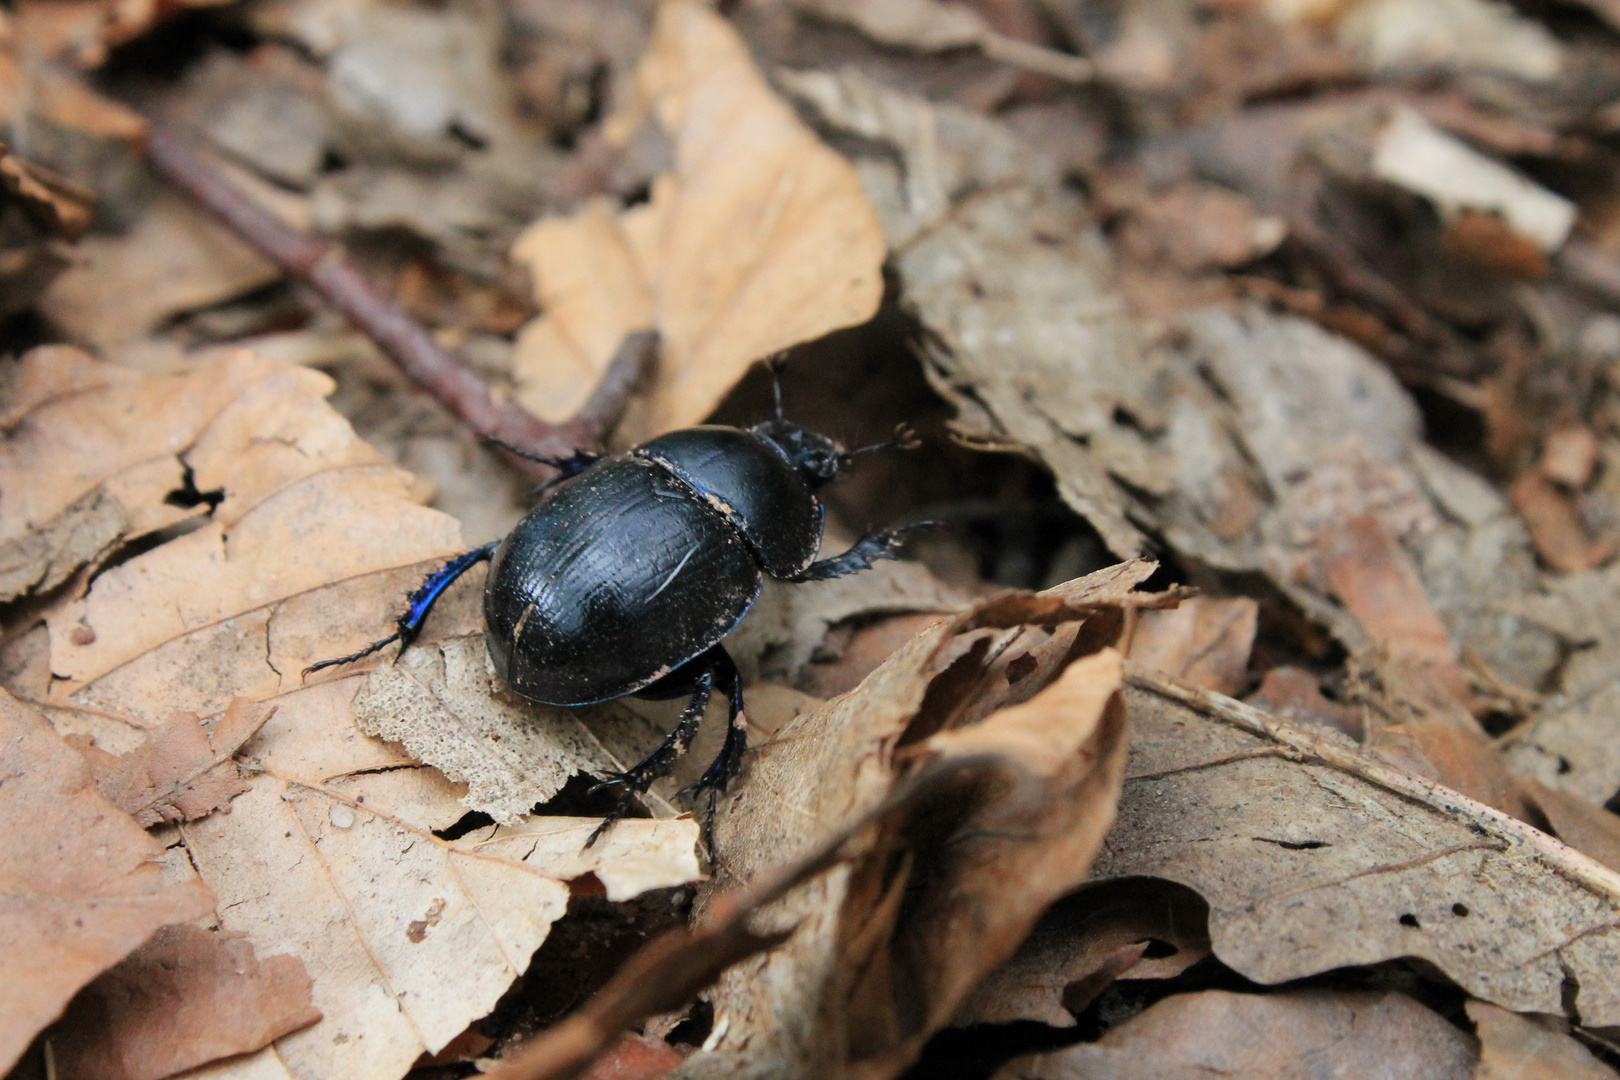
(1249, 703)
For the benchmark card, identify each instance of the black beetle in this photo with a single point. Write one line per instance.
(626, 575)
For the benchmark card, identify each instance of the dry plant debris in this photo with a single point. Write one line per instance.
(1314, 302)
(758, 238)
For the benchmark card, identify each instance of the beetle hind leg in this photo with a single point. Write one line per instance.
(638, 778)
(420, 602)
(728, 763)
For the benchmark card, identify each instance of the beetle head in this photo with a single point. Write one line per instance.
(815, 457)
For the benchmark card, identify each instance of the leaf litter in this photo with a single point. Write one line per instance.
(1312, 302)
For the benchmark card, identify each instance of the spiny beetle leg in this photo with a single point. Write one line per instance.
(884, 544)
(420, 602)
(637, 779)
(728, 763)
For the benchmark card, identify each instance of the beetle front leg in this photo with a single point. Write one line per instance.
(420, 602)
(884, 544)
(637, 779)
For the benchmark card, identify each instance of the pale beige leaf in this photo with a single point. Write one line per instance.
(83, 892)
(442, 703)
(1315, 855)
(760, 238)
(95, 452)
(329, 854)
(171, 260)
(1514, 1047)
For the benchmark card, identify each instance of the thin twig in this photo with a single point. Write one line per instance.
(456, 385)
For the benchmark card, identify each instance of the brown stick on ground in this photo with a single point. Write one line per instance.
(456, 385)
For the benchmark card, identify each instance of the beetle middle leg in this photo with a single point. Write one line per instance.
(639, 777)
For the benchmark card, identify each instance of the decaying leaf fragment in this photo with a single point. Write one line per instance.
(759, 238)
(1313, 855)
(306, 551)
(1514, 1047)
(1204, 642)
(1266, 1037)
(1008, 715)
(183, 771)
(83, 892)
(1029, 338)
(187, 997)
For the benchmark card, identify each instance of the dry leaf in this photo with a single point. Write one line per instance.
(760, 238)
(330, 853)
(986, 802)
(1569, 743)
(1555, 524)
(441, 703)
(183, 772)
(1414, 154)
(1450, 35)
(187, 997)
(82, 894)
(1315, 855)
(1514, 1047)
(1289, 1036)
(1295, 695)
(863, 980)
(119, 289)
(1584, 826)
(1246, 437)
(94, 455)
(1086, 941)
(1204, 642)
(1002, 265)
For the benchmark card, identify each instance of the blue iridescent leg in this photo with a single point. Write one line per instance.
(420, 603)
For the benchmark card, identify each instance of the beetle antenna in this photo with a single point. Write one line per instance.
(904, 438)
(775, 364)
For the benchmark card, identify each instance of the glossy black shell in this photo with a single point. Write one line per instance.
(642, 562)
(750, 482)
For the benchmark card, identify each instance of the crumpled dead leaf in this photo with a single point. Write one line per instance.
(1028, 337)
(1266, 1037)
(92, 457)
(85, 893)
(863, 980)
(1244, 435)
(1315, 855)
(187, 997)
(1084, 942)
(329, 854)
(183, 772)
(760, 238)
